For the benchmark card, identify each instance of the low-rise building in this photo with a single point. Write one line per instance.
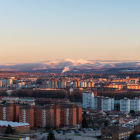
(17, 127)
(115, 133)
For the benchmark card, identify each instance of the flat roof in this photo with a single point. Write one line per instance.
(26, 99)
(10, 98)
(13, 124)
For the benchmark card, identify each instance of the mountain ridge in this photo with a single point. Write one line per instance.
(72, 64)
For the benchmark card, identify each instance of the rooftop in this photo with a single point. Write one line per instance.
(13, 124)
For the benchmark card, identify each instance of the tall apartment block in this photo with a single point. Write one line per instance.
(61, 84)
(26, 115)
(9, 112)
(107, 104)
(125, 105)
(92, 101)
(53, 83)
(129, 104)
(45, 116)
(83, 83)
(52, 116)
(58, 115)
(135, 104)
(89, 100)
(0, 84)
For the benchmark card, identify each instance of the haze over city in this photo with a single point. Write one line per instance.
(36, 31)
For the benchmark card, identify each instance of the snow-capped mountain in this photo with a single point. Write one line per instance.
(71, 64)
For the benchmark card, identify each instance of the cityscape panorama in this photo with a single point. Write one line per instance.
(69, 70)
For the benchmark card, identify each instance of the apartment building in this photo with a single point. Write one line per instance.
(0, 84)
(16, 112)
(53, 83)
(89, 100)
(61, 84)
(107, 104)
(92, 102)
(8, 81)
(26, 115)
(70, 115)
(76, 84)
(135, 104)
(133, 86)
(58, 115)
(52, 116)
(9, 112)
(44, 116)
(130, 104)
(125, 105)
(90, 84)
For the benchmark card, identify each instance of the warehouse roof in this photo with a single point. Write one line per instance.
(13, 124)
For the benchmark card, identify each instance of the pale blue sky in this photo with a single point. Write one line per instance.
(40, 30)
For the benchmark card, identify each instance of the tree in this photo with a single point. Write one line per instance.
(133, 136)
(106, 123)
(117, 106)
(84, 123)
(9, 129)
(50, 136)
(132, 112)
(3, 102)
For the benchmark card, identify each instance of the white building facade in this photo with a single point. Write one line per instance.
(88, 100)
(125, 105)
(135, 104)
(107, 104)
(100, 102)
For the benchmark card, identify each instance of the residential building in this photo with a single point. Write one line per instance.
(8, 81)
(0, 84)
(115, 133)
(135, 104)
(44, 116)
(89, 100)
(125, 105)
(62, 84)
(7, 112)
(26, 115)
(107, 104)
(58, 115)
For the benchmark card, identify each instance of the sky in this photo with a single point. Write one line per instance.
(41, 30)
